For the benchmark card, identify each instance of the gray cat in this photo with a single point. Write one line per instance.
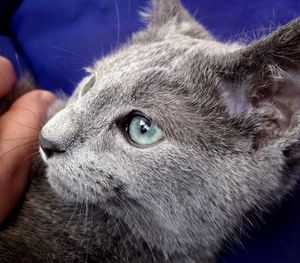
(164, 149)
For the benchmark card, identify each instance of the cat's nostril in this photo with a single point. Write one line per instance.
(49, 147)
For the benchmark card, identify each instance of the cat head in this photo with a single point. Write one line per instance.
(178, 134)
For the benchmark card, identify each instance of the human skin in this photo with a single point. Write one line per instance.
(19, 129)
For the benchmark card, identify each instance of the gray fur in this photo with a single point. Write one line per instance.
(231, 125)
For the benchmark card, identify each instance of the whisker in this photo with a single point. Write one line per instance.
(118, 21)
(86, 215)
(76, 61)
(74, 84)
(80, 215)
(154, 260)
(19, 63)
(128, 13)
(137, 241)
(122, 239)
(69, 221)
(70, 52)
(85, 227)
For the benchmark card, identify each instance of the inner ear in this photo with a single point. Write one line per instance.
(264, 78)
(273, 97)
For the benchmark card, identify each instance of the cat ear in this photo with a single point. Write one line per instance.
(265, 78)
(166, 17)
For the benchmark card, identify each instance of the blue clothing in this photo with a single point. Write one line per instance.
(57, 39)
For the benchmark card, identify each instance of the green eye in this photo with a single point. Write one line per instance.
(142, 131)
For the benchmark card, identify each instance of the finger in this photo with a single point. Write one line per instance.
(23, 120)
(7, 76)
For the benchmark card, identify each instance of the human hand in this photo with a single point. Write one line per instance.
(19, 130)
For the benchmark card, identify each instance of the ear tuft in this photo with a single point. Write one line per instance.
(161, 11)
(164, 18)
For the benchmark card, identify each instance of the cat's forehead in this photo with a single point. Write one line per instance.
(138, 57)
(135, 65)
(153, 73)
(141, 56)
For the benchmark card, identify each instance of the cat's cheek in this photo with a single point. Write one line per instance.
(78, 186)
(63, 186)
(61, 191)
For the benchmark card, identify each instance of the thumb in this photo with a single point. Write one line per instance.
(19, 130)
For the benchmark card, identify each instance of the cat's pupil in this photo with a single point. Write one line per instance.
(145, 127)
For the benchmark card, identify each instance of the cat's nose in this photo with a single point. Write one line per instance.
(50, 148)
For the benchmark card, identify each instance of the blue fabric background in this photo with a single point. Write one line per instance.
(56, 39)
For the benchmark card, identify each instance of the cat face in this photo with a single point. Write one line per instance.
(170, 134)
